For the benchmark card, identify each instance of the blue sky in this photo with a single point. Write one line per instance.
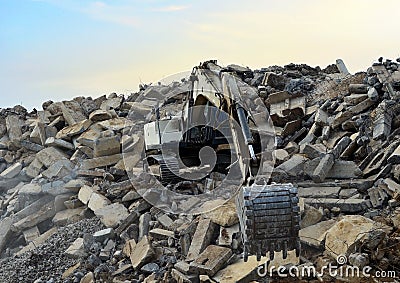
(59, 49)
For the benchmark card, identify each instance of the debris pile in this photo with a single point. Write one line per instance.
(70, 212)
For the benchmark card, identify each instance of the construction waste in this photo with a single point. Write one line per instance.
(70, 212)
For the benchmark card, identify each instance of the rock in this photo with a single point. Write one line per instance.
(314, 235)
(59, 169)
(224, 215)
(30, 190)
(13, 124)
(323, 168)
(211, 260)
(76, 249)
(97, 201)
(150, 268)
(294, 166)
(112, 215)
(50, 155)
(116, 124)
(104, 234)
(53, 142)
(88, 278)
(100, 115)
(72, 112)
(310, 217)
(12, 171)
(345, 236)
(45, 212)
(142, 253)
(74, 130)
(100, 162)
(161, 234)
(107, 146)
(345, 205)
(5, 232)
(68, 216)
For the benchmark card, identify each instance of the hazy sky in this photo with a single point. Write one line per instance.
(59, 49)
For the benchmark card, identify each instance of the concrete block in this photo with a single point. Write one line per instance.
(211, 260)
(201, 238)
(112, 215)
(107, 146)
(12, 171)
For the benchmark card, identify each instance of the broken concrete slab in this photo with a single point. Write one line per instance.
(107, 146)
(68, 216)
(53, 142)
(294, 166)
(100, 162)
(34, 168)
(116, 124)
(161, 234)
(50, 155)
(142, 253)
(345, 205)
(211, 260)
(226, 235)
(144, 224)
(104, 234)
(89, 137)
(74, 130)
(100, 115)
(31, 189)
(319, 192)
(59, 169)
(45, 212)
(395, 156)
(314, 235)
(14, 125)
(112, 215)
(85, 193)
(12, 171)
(5, 232)
(72, 112)
(97, 201)
(323, 168)
(38, 241)
(201, 238)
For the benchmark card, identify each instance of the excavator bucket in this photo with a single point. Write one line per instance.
(269, 219)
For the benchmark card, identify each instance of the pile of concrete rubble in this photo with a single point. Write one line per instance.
(70, 213)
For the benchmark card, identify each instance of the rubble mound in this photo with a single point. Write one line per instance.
(71, 176)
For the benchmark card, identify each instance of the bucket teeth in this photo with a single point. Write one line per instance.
(269, 219)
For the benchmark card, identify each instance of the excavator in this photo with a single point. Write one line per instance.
(217, 131)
